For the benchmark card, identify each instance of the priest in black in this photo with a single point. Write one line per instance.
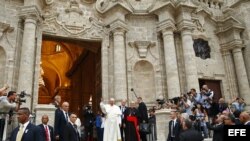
(131, 123)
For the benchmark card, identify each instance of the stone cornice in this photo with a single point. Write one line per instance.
(30, 12)
(106, 6)
(236, 43)
(185, 24)
(168, 4)
(229, 23)
(185, 7)
(118, 25)
(166, 24)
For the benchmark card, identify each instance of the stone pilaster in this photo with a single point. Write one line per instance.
(173, 83)
(241, 74)
(185, 26)
(189, 60)
(230, 73)
(118, 29)
(31, 15)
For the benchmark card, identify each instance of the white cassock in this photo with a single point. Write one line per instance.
(111, 125)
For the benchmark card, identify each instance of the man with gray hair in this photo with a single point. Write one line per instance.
(112, 122)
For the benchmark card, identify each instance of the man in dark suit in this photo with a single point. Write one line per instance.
(88, 122)
(143, 116)
(70, 132)
(61, 119)
(47, 130)
(123, 107)
(188, 133)
(26, 131)
(174, 127)
(245, 118)
(218, 128)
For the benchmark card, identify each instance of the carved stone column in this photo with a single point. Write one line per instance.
(173, 83)
(30, 14)
(230, 73)
(189, 60)
(118, 29)
(185, 25)
(241, 74)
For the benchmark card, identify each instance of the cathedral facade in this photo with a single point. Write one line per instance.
(147, 48)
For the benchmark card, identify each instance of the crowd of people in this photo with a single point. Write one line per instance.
(193, 116)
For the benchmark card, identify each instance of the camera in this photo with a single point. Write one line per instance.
(22, 97)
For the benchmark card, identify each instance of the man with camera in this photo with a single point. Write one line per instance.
(88, 123)
(7, 103)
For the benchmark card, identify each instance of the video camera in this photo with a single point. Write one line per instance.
(22, 97)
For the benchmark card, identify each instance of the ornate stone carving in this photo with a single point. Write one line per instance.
(5, 28)
(103, 6)
(142, 47)
(141, 5)
(201, 48)
(49, 2)
(74, 22)
(199, 23)
(88, 1)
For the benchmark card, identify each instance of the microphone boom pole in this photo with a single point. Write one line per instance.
(134, 92)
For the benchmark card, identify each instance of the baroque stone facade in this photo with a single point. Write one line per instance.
(147, 45)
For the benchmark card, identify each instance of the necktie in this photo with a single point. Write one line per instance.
(20, 133)
(67, 116)
(47, 133)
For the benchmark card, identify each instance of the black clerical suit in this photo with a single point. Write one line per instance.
(143, 117)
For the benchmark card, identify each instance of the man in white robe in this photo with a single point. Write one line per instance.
(112, 122)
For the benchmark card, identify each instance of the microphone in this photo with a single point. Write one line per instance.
(133, 92)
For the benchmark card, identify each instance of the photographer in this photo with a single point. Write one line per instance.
(7, 103)
(88, 123)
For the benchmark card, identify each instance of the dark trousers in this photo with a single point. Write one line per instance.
(143, 136)
(2, 123)
(99, 133)
(122, 133)
(89, 133)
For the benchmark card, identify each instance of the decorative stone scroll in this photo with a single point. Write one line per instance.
(4, 27)
(49, 2)
(142, 47)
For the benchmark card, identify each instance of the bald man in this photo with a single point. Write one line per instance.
(245, 118)
(112, 122)
(47, 130)
(61, 119)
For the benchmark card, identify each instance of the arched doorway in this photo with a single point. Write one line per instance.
(72, 69)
